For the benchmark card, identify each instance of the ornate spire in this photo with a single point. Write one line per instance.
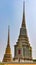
(8, 55)
(22, 51)
(8, 41)
(23, 20)
(8, 35)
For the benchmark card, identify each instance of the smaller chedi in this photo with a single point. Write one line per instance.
(22, 49)
(8, 55)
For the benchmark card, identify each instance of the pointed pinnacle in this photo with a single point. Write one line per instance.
(8, 34)
(23, 21)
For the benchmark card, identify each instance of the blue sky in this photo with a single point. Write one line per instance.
(11, 12)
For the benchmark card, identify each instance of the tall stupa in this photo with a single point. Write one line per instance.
(22, 49)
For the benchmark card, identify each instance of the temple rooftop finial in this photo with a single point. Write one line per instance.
(8, 34)
(23, 6)
(23, 19)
